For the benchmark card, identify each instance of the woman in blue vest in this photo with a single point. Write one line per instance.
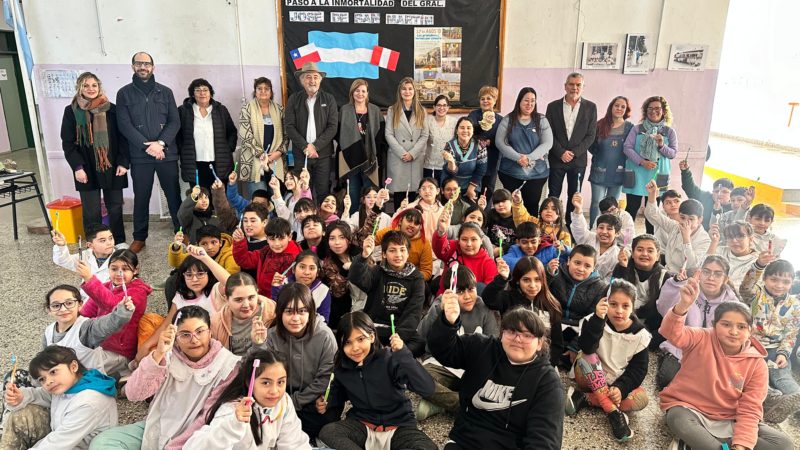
(608, 159)
(524, 139)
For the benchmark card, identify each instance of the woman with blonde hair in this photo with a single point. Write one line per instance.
(263, 136)
(360, 124)
(407, 137)
(90, 141)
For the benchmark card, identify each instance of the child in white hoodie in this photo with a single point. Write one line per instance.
(99, 247)
(254, 411)
(81, 404)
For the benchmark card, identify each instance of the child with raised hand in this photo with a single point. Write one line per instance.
(300, 335)
(500, 221)
(643, 269)
(550, 222)
(184, 375)
(296, 187)
(761, 217)
(510, 396)
(81, 334)
(715, 289)
(428, 203)
(307, 271)
(337, 253)
(217, 244)
(466, 249)
(476, 317)
(718, 201)
(528, 238)
(244, 318)
(370, 210)
(273, 259)
(741, 200)
(777, 323)
(73, 405)
(99, 246)
(604, 239)
(670, 207)
(738, 251)
(476, 215)
(687, 241)
(266, 419)
(395, 290)
(609, 205)
(123, 268)
(613, 360)
(195, 211)
(374, 380)
(729, 411)
(578, 288)
(451, 193)
(313, 228)
(411, 224)
(526, 286)
(199, 281)
(239, 203)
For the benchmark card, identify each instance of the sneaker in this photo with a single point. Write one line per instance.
(122, 245)
(619, 425)
(678, 444)
(427, 409)
(576, 401)
(778, 408)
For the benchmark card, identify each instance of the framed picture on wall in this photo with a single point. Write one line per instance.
(691, 57)
(638, 55)
(600, 56)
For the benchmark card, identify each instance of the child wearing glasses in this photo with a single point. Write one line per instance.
(184, 375)
(302, 339)
(123, 267)
(81, 334)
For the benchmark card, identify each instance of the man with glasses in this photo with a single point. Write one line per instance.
(148, 118)
(573, 120)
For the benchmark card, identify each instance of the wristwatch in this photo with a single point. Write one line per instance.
(162, 143)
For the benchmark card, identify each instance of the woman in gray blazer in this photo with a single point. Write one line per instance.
(407, 137)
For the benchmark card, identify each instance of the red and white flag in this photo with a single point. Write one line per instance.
(304, 54)
(384, 57)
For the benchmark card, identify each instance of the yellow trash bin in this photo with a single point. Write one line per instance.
(66, 215)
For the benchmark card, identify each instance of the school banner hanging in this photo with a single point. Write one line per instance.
(449, 47)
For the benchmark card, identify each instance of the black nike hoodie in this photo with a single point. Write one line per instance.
(502, 405)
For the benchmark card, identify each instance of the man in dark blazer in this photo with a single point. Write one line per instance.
(312, 139)
(573, 120)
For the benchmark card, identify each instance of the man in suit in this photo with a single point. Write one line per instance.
(573, 120)
(312, 118)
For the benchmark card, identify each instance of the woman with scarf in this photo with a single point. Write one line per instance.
(92, 148)
(264, 139)
(649, 148)
(360, 123)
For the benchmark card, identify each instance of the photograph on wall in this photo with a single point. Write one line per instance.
(691, 57)
(437, 62)
(638, 57)
(600, 56)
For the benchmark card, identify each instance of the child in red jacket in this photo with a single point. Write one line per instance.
(466, 250)
(276, 257)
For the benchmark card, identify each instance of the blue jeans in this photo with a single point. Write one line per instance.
(781, 379)
(600, 192)
(358, 181)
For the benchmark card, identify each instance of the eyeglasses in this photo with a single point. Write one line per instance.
(655, 109)
(524, 337)
(142, 64)
(66, 304)
(186, 336)
(194, 275)
(293, 311)
(712, 273)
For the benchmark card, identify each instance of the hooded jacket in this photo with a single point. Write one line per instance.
(104, 298)
(309, 361)
(481, 264)
(222, 319)
(192, 220)
(700, 314)
(502, 405)
(320, 292)
(224, 258)
(736, 385)
(376, 389)
(401, 293)
(265, 261)
(577, 298)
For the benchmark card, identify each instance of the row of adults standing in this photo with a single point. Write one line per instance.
(146, 133)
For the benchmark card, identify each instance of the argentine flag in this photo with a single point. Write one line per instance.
(345, 55)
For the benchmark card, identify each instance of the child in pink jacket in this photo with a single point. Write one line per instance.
(717, 394)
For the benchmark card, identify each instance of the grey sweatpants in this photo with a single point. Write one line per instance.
(685, 425)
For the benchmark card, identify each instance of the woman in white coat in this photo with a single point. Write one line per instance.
(407, 137)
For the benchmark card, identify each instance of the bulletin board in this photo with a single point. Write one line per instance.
(449, 47)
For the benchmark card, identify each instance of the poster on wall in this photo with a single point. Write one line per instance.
(691, 57)
(441, 44)
(638, 57)
(600, 56)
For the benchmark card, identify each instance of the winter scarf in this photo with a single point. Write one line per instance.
(92, 127)
(251, 130)
(649, 149)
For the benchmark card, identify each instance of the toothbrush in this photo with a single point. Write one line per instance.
(328, 389)
(256, 363)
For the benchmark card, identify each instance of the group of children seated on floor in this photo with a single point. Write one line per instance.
(473, 309)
